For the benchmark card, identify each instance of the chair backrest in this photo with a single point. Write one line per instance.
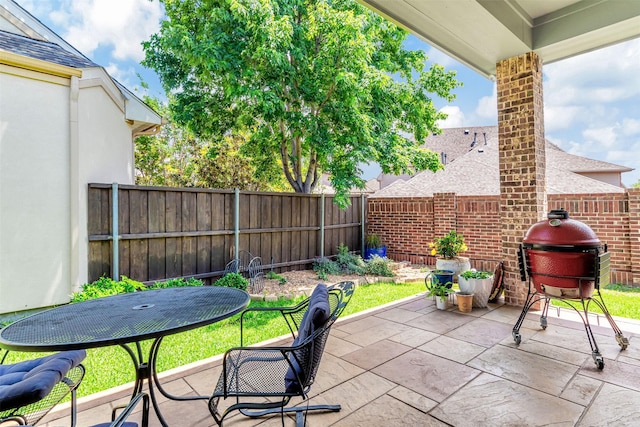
(29, 389)
(309, 348)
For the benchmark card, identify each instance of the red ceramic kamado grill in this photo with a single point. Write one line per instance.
(564, 259)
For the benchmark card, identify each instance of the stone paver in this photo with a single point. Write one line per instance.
(493, 401)
(482, 332)
(411, 364)
(376, 354)
(452, 349)
(613, 406)
(431, 376)
(622, 374)
(540, 373)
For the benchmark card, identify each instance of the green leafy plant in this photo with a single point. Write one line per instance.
(440, 290)
(275, 276)
(176, 283)
(378, 266)
(473, 274)
(449, 246)
(324, 267)
(348, 262)
(373, 241)
(232, 280)
(105, 286)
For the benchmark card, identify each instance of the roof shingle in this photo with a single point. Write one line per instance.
(45, 51)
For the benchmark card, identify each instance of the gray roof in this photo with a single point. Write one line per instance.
(454, 142)
(43, 50)
(579, 164)
(477, 173)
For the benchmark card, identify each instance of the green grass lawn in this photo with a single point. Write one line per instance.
(620, 300)
(111, 366)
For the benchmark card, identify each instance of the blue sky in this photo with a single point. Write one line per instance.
(592, 101)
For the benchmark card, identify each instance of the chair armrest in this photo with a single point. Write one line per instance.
(286, 313)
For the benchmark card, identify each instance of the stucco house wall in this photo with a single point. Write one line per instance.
(64, 122)
(34, 191)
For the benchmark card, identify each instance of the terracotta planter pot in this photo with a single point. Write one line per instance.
(457, 265)
(465, 302)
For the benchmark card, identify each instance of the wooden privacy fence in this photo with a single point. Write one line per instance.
(160, 233)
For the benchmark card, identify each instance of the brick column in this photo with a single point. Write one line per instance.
(634, 233)
(444, 213)
(523, 195)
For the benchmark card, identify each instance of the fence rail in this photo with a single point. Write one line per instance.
(182, 232)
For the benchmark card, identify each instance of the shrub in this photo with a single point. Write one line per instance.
(378, 266)
(105, 286)
(176, 283)
(324, 267)
(349, 262)
(232, 280)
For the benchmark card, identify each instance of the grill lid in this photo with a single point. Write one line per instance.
(560, 232)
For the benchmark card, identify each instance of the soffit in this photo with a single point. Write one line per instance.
(480, 33)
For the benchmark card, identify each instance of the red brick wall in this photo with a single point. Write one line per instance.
(407, 225)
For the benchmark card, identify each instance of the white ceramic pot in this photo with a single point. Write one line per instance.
(480, 288)
(457, 265)
(441, 303)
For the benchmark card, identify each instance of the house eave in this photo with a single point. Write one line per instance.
(38, 65)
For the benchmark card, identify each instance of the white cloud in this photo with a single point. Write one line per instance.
(454, 119)
(120, 25)
(560, 117)
(631, 127)
(605, 136)
(487, 108)
(439, 57)
(602, 76)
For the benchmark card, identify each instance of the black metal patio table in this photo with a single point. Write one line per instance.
(125, 319)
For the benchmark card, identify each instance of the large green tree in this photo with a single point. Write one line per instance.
(176, 158)
(318, 85)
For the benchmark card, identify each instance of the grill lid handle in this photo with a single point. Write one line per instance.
(558, 214)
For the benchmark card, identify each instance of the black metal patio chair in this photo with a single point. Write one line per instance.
(121, 419)
(253, 374)
(31, 388)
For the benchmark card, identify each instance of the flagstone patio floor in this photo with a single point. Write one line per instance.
(412, 365)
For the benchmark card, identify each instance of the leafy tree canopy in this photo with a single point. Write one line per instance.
(176, 158)
(636, 184)
(317, 85)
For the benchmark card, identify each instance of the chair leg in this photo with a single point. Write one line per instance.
(299, 410)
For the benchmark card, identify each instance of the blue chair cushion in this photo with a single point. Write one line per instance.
(29, 381)
(316, 315)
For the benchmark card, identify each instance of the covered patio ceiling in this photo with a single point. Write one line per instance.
(480, 33)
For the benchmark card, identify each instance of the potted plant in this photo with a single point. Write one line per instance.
(441, 291)
(447, 250)
(374, 246)
(465, 301)
(478, 283)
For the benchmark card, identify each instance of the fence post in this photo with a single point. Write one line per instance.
(236, 223)
(322, 225)
(115, 233)
(362, 212)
